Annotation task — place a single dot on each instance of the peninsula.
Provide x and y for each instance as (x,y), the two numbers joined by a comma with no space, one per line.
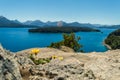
(113,40)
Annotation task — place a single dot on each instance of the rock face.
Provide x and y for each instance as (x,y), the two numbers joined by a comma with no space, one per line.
(105,66)
(74,66)
(66,49)
(9,69)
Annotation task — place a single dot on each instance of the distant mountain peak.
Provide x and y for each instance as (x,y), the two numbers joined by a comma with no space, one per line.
(38,20)
(35,23)
(2,17)
(9,23)
(48,22)
(16,21)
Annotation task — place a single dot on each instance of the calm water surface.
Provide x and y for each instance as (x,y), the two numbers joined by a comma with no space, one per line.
(16,39)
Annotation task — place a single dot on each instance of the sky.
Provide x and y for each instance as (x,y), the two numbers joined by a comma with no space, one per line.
(83,11)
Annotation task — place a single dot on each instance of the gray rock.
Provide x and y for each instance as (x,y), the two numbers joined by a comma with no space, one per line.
(66,49)
(94,66)
(9,69)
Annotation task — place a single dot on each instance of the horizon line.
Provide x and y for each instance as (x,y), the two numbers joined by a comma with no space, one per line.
(59,20)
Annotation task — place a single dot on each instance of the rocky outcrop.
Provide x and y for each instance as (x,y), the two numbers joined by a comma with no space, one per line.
(105,66)
(66,49)
(9,69)
(74,66)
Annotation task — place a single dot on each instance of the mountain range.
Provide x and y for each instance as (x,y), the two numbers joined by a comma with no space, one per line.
(56,23)
(4,22)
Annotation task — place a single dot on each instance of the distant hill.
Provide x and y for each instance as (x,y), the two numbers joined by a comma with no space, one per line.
(113,39)
(65,29)
(16,21)
(34,23)
(77,24)
(4,22)
(110,26)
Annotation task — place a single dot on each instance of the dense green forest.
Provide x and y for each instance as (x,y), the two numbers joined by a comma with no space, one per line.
(113,39)
(64,29)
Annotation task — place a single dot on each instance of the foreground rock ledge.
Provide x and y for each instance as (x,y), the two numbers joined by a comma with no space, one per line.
(74,66)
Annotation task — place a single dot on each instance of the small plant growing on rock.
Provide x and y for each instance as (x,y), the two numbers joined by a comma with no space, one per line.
(31,57)
(35,51)
(42,61)
(37,61)
(54,57)
(57,57)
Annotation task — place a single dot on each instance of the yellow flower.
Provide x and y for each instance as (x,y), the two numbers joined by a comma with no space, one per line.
(60,58)
(35,51)
(54,57)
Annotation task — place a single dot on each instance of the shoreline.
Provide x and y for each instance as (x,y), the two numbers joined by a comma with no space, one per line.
(107,45)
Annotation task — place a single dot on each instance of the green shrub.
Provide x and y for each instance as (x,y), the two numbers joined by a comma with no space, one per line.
(31,57)
(69,40)
(39,61)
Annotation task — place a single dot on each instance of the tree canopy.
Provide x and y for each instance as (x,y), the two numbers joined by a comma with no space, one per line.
(69,40)
(113,39)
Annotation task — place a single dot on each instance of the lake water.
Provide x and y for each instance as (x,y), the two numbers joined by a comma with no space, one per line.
(16,39)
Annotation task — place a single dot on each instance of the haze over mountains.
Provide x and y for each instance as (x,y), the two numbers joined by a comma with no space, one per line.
(56,23)
(4,22)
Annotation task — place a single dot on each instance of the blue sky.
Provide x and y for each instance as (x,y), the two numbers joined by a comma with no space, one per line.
(83,11)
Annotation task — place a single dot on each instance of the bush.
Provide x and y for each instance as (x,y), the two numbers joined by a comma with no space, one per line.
(40,60)
(69,40)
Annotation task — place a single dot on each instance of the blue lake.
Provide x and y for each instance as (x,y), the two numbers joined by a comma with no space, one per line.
(16,39)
